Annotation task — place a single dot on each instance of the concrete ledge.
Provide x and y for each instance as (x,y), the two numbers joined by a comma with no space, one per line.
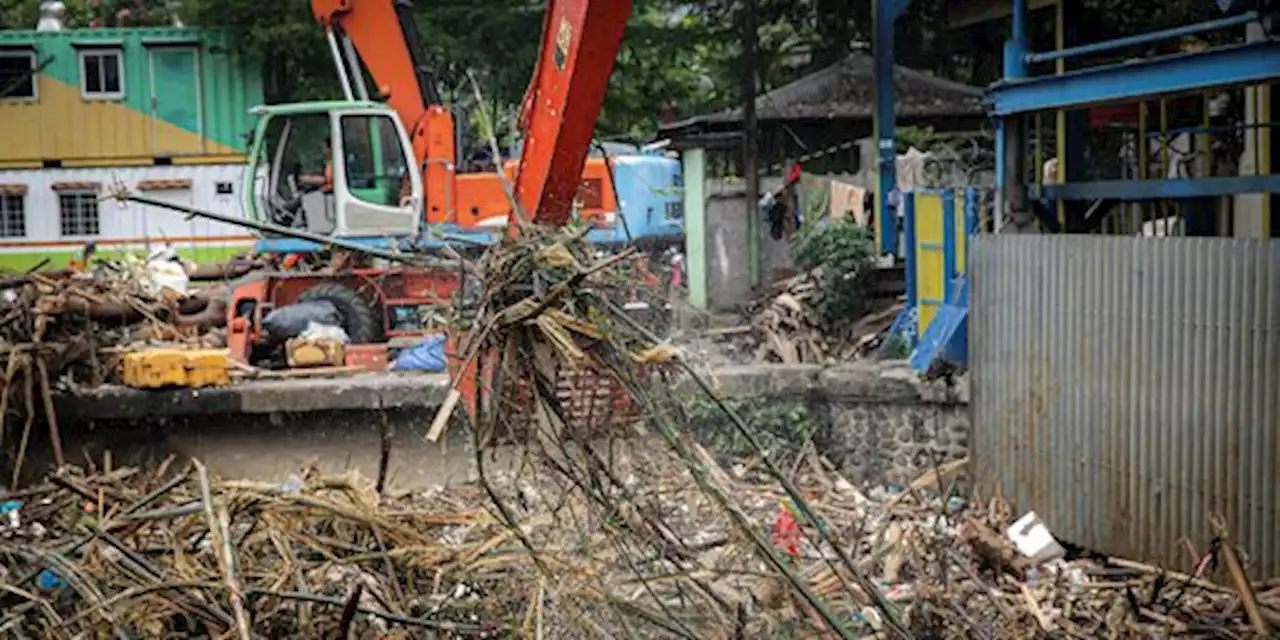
(867,382)
(369,391)
(765,380)
(884,383)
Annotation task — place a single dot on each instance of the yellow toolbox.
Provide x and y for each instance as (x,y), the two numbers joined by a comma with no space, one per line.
(155,368)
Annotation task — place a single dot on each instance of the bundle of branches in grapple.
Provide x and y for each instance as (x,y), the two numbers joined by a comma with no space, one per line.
(578,382)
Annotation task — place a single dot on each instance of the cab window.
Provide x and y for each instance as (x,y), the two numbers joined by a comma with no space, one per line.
(375,165)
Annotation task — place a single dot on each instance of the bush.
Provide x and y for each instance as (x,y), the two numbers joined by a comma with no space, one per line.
(845,255)
(781,428)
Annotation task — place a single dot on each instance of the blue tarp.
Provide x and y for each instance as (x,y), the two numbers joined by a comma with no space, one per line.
(427,356)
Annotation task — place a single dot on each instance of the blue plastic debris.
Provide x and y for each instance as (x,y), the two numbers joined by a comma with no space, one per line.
(427,356)
(11,510)
(50,581)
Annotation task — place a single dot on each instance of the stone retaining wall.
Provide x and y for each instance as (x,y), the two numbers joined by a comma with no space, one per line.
(881,426)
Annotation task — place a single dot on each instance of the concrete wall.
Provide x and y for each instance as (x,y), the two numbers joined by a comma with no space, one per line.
(877,424)
(728,250)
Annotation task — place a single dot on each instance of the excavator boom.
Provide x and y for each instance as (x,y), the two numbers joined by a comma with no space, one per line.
(580,41)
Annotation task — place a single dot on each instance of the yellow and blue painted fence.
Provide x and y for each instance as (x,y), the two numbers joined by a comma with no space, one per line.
(936,227)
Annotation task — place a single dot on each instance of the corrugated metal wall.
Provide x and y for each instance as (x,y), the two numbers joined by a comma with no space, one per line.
(232,84)
(1127,388)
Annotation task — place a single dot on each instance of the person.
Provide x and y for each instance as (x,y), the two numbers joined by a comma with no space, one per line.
(328,166)
(82,263)
(781,208)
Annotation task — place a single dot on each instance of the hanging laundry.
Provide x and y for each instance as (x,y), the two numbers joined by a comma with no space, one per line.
(849,201)
(815,196)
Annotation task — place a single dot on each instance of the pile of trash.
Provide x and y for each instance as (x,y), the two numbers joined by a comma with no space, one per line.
(77,318)
(789,331)
(786,328)
(67,328)
(134,553)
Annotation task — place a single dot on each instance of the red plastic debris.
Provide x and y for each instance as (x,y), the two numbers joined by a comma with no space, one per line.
(786,533)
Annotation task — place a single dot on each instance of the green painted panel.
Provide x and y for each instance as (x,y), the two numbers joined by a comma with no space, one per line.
(695,225)
(231,83)
(177,98)
(18,262)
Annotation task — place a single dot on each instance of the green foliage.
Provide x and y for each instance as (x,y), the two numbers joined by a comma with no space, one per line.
(845,253)
(678,58)
(895,347)
(23,14)
(283,35)
(671,62)
(781,428)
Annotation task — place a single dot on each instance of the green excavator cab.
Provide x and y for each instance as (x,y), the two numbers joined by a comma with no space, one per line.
(339,169)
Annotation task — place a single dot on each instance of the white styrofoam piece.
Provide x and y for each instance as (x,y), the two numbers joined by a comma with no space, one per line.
(1034,540)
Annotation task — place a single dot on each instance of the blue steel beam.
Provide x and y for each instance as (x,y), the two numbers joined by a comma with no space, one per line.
(885,13)
(1146,38)
(1132,190)
(1223,67)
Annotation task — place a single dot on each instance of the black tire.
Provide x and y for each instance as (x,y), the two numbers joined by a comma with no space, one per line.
(362,325)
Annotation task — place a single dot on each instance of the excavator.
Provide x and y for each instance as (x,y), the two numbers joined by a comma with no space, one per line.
(363,170)
(381,167)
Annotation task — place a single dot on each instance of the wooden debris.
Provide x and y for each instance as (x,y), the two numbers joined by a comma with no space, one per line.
(157,551)
(786,329)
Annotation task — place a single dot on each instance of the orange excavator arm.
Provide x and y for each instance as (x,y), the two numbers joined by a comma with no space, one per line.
(380,36)
(580,41)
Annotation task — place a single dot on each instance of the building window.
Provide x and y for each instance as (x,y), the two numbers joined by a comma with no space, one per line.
(102,74)
(78,213)
(13,215)
(17,75)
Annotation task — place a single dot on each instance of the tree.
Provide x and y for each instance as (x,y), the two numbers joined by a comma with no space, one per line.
(23,14)
(283,36)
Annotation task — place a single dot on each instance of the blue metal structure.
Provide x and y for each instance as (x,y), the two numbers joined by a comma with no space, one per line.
(885,14)
(1227,66)
(1019,97)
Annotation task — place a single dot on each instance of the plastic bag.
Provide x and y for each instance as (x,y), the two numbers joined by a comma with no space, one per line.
(165,271)
(427,356)
(289,322)
(317,331)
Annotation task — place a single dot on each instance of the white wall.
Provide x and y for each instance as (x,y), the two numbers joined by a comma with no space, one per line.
(132,221)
